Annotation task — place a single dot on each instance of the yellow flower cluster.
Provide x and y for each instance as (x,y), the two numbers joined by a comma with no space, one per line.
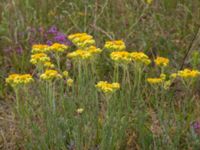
(173,75)
(57,47)
(106,87)
(50,75)
(149,2)
(121,56)
(81,40)
(117,45)
(84,54)
(70,82)
(48,64)
(187,73)
(39,48)
(39,58)
(80,110)
(19,79)
(140,57)
(161,61)
(79,54)
(65,74)
(94,50)
(155,81)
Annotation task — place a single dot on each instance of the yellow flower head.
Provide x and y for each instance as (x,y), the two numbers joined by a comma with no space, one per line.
(19,79)
(117,45)
(65,74)
(106,87)
(80,110)
(187,73)
(57,47)
(39,48)
(70,82)
(157,81)
(80,54)
(50,75)
(149,2)
(173,75)
(39,58)
(140,57)
(48,64)
(121,56)
(161,61)
(81,40)
(94,50)
(154,80)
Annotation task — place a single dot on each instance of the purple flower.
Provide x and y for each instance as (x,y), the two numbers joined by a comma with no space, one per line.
(60,37)
(41,30)
(53,30)
(196,125)
(31,29)
(49,42)
(19,50)
(8,49)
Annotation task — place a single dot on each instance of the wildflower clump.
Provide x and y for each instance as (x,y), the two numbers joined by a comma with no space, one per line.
(19,79)
(187,73)
(117,45)
(40,48)
(57,47)
(156,81)
(161,61)
(106,87)
(39,58)
(81,40)
(121,57)
(79,54)
(140,57)
(50,75)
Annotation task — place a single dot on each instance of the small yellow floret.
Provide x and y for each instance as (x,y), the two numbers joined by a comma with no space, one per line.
(117,45)
(65,74)
(155,81)
(161,61)
(173,75)
(48,64)
(121,56)
(39,58)
(39,48)
(106,87)
(80,110)
(57,47)
(94,50)
(79,54)
(149,2)
(70,82)
(81,40)
(50,75)
(140,57)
